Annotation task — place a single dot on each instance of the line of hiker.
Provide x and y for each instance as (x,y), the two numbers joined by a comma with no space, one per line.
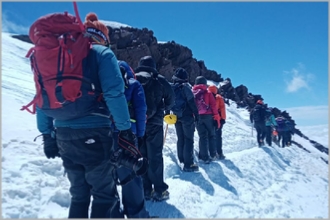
(270,128)
(105,120)
(198,107)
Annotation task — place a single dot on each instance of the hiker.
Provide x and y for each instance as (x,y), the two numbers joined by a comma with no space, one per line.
(283,130)
(257,117)
(159,98)
(270,126)
(84,142)
(187,114)
(290,131)
(132,192)
(208,112)
(221,107)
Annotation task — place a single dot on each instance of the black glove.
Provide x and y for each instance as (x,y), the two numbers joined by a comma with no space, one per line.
(222,121)
(50,146)
(127,141)
(140,142)
(167,112)
(196,119)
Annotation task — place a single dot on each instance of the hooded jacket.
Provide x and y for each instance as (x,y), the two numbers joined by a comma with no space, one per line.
(136,102)
(220,104)
(162,98)
(191,108)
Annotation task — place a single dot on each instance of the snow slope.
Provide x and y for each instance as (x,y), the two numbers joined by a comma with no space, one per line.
(253,182)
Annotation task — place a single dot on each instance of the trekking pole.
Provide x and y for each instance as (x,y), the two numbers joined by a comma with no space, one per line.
(165,134)
(252,129)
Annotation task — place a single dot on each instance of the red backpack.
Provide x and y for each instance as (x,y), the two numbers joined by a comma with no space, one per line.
(63,90)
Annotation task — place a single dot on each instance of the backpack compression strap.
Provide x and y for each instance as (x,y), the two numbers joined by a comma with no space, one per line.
(82,27)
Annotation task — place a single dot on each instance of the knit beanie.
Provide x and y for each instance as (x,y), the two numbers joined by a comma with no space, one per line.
(200,80)
(213,89)
(98,31)
(181,73)
(147,61)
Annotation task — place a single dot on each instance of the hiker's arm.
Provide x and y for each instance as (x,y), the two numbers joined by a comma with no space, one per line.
(168,95)
(112,85)
(222,107)
(140,109)
(213,104)
(44,123)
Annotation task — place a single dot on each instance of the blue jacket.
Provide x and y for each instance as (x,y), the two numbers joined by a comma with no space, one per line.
(135,97)
(104,63)
(190,109)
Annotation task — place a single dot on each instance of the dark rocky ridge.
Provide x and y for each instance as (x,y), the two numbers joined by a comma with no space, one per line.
(130,44)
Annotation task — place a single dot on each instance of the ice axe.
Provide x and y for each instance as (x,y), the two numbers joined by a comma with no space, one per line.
(169,119)
(165,134)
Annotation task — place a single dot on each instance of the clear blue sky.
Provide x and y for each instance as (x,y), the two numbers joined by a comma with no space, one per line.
(276,49)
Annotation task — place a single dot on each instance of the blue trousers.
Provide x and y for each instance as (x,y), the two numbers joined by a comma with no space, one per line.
(132,192)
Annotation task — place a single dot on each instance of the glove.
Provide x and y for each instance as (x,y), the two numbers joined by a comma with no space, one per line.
(217,118)
(140,141)
(127,141)
(196,119)
(222,121)
(50,146)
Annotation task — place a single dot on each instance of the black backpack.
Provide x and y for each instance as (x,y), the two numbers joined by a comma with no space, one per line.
(180,99)
(259,114)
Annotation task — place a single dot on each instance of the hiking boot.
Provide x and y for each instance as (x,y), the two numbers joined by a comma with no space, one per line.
(148,194)
(221,157)
(206,161)
(192,168)
(157,196)
(214,158)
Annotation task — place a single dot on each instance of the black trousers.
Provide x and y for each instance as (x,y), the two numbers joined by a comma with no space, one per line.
(152,149)
(85,154)
(206,133)
(185,128)
(269,131)
(218,139)
(261,131)
(286,137)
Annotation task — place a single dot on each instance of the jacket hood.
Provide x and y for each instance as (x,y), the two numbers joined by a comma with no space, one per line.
(129,71)
(213,89)
(197,89)
(147,69)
